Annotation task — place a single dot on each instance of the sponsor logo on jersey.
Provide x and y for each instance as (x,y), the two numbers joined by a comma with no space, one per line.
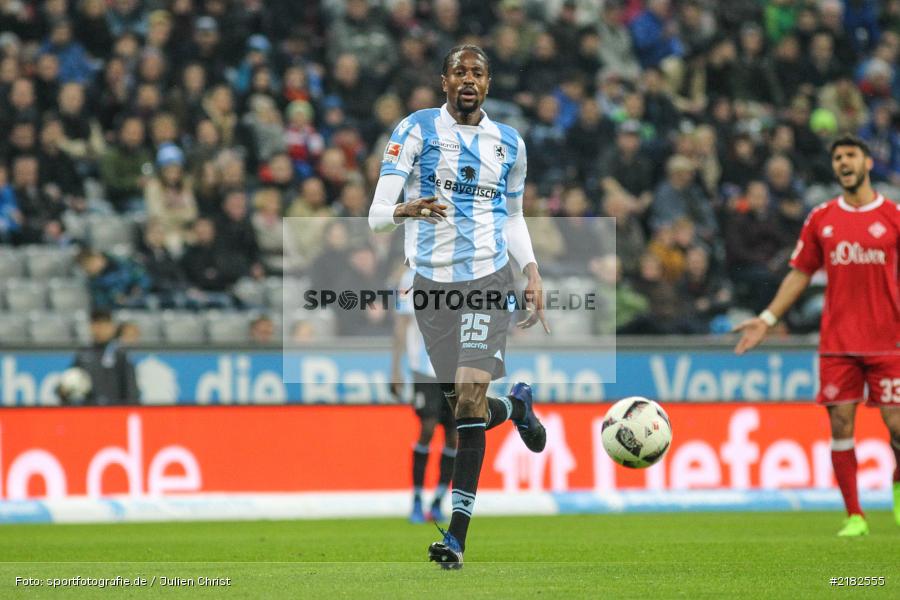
(877,229)
(445,145)
(854,254)
(828,231)
(500,152)
(392,152)
(476,191)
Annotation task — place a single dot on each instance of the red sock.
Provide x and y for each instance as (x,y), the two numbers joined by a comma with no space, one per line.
(895,446)
(844,462)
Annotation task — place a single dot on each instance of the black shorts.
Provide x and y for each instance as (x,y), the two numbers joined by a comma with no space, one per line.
(429,401)
(469,333)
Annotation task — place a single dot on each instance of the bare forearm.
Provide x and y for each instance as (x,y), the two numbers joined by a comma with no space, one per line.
(789,291)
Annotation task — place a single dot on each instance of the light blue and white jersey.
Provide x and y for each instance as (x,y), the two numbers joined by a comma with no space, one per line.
(473,169)
(416,354)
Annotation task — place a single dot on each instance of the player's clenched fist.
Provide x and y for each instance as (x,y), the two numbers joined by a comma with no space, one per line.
(423,208)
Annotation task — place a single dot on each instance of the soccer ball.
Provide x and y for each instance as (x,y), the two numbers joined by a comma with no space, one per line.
(636,432)
(74,384)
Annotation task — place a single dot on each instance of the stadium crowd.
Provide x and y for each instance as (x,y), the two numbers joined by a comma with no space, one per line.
(197,126)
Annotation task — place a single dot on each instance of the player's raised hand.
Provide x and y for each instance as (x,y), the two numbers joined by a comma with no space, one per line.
(422,208)
(752,333)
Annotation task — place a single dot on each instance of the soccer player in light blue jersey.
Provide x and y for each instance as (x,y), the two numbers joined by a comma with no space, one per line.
(460,177)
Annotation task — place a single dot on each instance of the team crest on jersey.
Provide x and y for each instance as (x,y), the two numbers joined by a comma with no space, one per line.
(500,152)
(828,231)
(877,229)
(392,152)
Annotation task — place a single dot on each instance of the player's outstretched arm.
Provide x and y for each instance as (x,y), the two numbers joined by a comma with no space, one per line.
(754,330)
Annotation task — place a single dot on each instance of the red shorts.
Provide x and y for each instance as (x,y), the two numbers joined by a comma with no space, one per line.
(844,379)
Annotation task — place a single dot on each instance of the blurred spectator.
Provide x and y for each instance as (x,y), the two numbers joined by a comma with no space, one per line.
(333,173)
(20,103)
(169,198)
(844,100)
(549,165)
(126,166)
(631,308)
(114,282)
(10,215)
(506,64)
(265,126)
(186,100)
(83,137)
(362,34)
(706,293)
(585,140)
(680,196)
(742,163)
(822,66)
(511,13)
(168,283)
(236,237)
(883,138)
(205,265)
(59,177)
(543,70)
(667,312)
(755,243)
(262,330)
(785,192)
(786,66)
(74,62)
(41,214)
(616,46)
(304,144)
(46,82)
(625,170)
(546,237)
(780,16)
(655,34)
(268,229)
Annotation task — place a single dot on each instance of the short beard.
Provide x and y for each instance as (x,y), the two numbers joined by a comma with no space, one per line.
(860,178)
(466,111)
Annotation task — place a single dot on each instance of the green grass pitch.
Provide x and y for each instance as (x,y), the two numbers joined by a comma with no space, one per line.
(725,555)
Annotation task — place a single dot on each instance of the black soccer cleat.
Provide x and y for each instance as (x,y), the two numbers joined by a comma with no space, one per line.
(447,553)
(530,429)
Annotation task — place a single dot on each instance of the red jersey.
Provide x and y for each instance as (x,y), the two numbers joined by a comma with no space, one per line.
(858,248)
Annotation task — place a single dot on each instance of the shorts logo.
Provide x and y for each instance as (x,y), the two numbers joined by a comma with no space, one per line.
(877,229)
(831,391)
(500,152)
(392,152)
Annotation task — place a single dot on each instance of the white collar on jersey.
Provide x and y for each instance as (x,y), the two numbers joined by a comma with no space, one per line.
(878,201)
(449,121)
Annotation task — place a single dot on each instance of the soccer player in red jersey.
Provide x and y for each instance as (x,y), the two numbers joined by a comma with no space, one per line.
(855,239)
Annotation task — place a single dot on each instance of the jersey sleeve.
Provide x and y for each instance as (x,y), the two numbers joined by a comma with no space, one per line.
(807,255)
(515,184)
(403,149)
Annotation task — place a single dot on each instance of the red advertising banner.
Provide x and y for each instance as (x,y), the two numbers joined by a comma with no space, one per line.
(57,452)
